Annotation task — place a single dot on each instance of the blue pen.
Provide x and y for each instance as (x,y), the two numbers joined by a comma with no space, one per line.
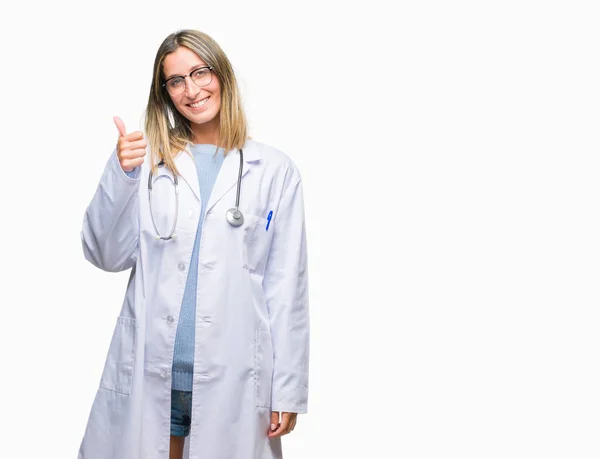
(269,220)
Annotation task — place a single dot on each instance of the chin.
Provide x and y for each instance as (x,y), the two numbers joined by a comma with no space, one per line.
(202,117)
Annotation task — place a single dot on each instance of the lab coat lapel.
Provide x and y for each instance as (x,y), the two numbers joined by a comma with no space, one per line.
(187,168)
(228,175)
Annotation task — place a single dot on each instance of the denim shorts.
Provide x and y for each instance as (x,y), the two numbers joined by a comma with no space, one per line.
(181,412)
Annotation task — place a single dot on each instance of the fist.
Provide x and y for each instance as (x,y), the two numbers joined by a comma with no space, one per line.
(131,148)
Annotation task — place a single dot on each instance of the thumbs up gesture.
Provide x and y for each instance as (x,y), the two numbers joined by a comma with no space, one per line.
(131,148)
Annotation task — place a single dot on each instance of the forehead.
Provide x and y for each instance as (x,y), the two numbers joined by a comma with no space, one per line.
(180,62)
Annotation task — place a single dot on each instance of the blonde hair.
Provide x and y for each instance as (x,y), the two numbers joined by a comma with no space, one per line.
(166,138)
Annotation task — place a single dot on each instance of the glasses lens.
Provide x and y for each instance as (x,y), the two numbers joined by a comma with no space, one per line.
(176,85)
(202,77)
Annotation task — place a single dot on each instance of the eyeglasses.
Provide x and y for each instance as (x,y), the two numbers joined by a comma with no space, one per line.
(201,77)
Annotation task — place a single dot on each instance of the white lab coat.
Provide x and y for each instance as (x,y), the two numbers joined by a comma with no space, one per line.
(252,323)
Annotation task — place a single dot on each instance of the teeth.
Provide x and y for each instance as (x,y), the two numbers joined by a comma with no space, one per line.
(198,104)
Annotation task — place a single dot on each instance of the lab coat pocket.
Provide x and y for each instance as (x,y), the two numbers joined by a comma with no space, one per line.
(118,368)
(257,242)
(263,369)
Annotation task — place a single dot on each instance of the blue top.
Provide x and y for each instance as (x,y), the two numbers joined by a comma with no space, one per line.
(207,166)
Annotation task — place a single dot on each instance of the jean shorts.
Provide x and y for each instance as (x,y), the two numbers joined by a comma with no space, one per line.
(181,412)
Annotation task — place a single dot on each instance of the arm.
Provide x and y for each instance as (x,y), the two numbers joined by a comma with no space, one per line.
(110,231)
(286,290)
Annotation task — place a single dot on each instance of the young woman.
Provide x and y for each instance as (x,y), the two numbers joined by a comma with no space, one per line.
(212,340)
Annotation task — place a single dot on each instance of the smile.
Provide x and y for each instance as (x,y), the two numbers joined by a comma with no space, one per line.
(199,103)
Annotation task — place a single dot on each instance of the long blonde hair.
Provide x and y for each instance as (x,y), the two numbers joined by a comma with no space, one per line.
(165,139)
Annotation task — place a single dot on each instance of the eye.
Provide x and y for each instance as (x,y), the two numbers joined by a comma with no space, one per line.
(175,82)
(199,73)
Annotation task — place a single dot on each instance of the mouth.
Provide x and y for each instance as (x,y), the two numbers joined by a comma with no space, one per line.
(199,103)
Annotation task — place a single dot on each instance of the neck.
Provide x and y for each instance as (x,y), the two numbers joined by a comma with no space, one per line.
(205,132)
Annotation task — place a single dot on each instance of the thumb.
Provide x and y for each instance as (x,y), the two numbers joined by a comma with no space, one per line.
(120,125)
(274,419)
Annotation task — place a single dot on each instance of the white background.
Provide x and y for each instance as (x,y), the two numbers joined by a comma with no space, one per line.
(449,152)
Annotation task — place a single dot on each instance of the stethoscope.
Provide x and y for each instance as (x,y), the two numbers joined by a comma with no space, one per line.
(234,215)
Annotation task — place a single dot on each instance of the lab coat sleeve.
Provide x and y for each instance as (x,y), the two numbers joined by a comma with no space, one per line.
(286,289)
(111,221)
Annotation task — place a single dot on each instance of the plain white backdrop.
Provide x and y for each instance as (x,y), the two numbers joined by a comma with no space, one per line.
(450,157)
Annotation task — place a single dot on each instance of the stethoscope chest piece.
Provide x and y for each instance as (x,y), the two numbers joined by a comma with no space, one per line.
(235,217)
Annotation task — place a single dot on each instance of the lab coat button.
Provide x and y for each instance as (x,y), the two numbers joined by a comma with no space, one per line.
(170,319)
(163,373)
(181,266)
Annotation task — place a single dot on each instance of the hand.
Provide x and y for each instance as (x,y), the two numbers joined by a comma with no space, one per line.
(288,422)
(131,148)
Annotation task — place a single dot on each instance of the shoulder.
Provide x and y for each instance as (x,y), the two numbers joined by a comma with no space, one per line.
(274,160)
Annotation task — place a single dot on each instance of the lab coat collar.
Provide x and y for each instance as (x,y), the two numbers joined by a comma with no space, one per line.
(228,174)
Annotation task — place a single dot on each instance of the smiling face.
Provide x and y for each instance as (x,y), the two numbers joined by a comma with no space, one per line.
(203,114)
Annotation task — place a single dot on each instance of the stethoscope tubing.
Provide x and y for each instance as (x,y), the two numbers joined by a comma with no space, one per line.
(234,215)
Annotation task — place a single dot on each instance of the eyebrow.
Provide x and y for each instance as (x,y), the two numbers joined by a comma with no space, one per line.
(191,70)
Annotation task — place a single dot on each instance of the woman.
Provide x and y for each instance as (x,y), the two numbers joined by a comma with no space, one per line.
(212,341)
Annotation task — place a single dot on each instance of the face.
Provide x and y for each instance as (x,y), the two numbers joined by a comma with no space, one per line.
(181,62)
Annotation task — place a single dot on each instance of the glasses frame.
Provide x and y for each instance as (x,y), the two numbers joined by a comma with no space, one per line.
(164,85)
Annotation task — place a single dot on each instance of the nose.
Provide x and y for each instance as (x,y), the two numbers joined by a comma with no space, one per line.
(191,89)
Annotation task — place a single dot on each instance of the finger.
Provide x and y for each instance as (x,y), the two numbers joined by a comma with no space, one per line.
(281,430)
(135,135)
(292,420)
(135,144)
(283,426)
(289,419)
(120,125)
(131,154)
(129,164)
(274,419)
(125,145)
